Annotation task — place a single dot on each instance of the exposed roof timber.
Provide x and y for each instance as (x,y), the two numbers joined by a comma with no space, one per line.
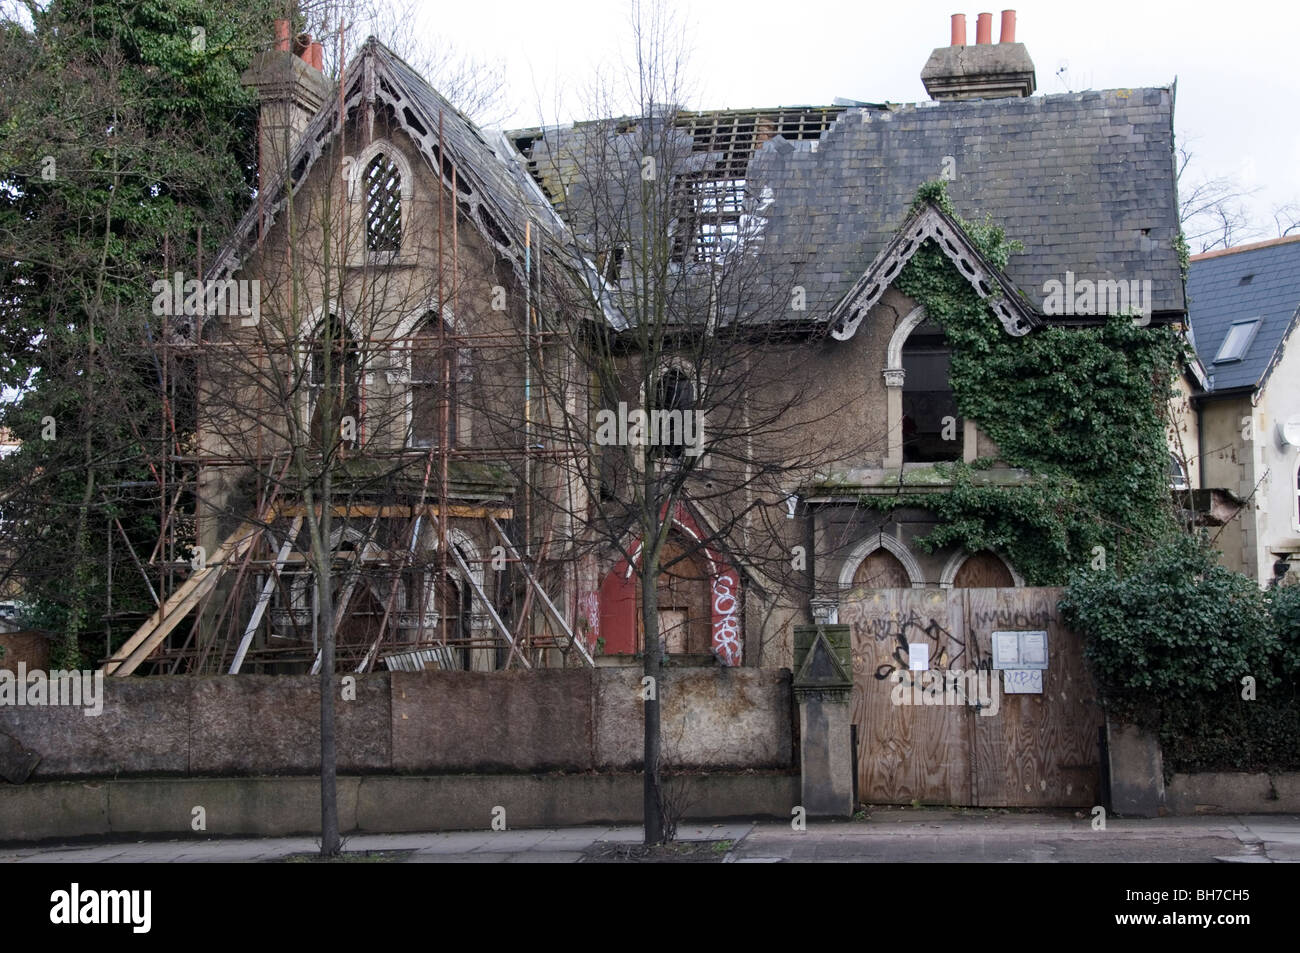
(931,222)
(492,190)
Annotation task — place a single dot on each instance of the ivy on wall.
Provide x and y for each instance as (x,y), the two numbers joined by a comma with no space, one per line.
(1081,409)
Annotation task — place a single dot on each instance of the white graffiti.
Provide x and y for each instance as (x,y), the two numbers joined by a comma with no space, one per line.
(589,609)
(726,623)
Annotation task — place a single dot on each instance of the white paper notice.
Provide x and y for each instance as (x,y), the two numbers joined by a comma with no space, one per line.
(1006,649)
(918,657)
(1033,648)
(1022,681)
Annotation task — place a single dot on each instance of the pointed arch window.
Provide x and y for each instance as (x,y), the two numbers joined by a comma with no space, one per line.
(674,426)
(434,370)
(381,182)
(333,370)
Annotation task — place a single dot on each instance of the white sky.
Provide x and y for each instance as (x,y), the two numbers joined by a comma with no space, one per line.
(1237,64)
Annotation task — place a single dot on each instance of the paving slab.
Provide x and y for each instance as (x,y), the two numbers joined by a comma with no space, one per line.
(887,835)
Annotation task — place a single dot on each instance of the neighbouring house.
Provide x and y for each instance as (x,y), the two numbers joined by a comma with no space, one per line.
(1244,304)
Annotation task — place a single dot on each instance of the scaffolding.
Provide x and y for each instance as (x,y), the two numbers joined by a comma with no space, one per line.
(400,604)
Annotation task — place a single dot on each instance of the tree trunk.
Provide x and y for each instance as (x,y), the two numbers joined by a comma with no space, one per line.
(653,793)
(330,843)
(319,529)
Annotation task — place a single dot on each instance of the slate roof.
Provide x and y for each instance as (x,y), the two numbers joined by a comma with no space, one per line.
(1085,181)
(493,188)
(1217,298)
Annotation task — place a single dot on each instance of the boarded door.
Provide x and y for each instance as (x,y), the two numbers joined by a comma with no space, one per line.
(1036,750)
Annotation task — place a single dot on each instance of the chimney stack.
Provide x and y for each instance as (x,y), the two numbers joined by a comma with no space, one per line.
(985,70)
(291,87)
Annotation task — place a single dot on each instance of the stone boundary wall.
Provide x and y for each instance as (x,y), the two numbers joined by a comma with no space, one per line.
(405,723)
(1138,788)
(274,807)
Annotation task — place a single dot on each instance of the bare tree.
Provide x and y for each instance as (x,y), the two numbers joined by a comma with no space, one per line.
(1212,210)
(680,378)
(1286,218)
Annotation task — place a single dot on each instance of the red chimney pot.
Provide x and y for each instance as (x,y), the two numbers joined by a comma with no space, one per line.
(282,35)
(317,60)
(984,28)
(1008,27)
(959,29)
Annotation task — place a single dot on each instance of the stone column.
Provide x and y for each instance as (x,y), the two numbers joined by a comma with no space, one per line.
(823,684)
(894,377)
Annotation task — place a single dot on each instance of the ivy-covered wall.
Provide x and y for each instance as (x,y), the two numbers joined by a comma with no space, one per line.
(1082,409)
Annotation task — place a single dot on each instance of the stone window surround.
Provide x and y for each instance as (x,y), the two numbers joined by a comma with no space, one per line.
(894,375)
(359,255)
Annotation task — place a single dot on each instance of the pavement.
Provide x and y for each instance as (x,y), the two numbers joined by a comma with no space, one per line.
(884,835)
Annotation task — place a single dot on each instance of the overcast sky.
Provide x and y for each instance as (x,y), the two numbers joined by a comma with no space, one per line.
(1237,65)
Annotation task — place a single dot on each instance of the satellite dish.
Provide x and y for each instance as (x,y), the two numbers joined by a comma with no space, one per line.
(1288,431)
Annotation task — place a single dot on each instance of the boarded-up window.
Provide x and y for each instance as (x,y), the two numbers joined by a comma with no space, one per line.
(983,570)
(881,570)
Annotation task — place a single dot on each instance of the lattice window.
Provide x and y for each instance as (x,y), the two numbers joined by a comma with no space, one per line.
(382,183)
(708,210)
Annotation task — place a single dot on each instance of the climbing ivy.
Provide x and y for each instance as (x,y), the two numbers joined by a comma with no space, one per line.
(1081,409)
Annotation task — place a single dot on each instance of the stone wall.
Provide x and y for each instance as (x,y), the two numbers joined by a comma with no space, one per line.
(410,723)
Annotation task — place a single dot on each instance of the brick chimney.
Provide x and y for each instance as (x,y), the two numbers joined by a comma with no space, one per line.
(986,70)
(290,89)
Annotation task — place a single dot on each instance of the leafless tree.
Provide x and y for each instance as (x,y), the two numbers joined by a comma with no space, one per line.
(697,322)
(1212,210)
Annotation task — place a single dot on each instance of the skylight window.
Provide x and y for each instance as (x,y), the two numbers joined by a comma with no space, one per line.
(1238,340)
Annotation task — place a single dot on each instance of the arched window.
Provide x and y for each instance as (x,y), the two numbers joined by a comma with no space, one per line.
(673,428)
(983,570)
(381,183)
(433,384)
(333,373)
(1177,473)
(881,569)
(932,430)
